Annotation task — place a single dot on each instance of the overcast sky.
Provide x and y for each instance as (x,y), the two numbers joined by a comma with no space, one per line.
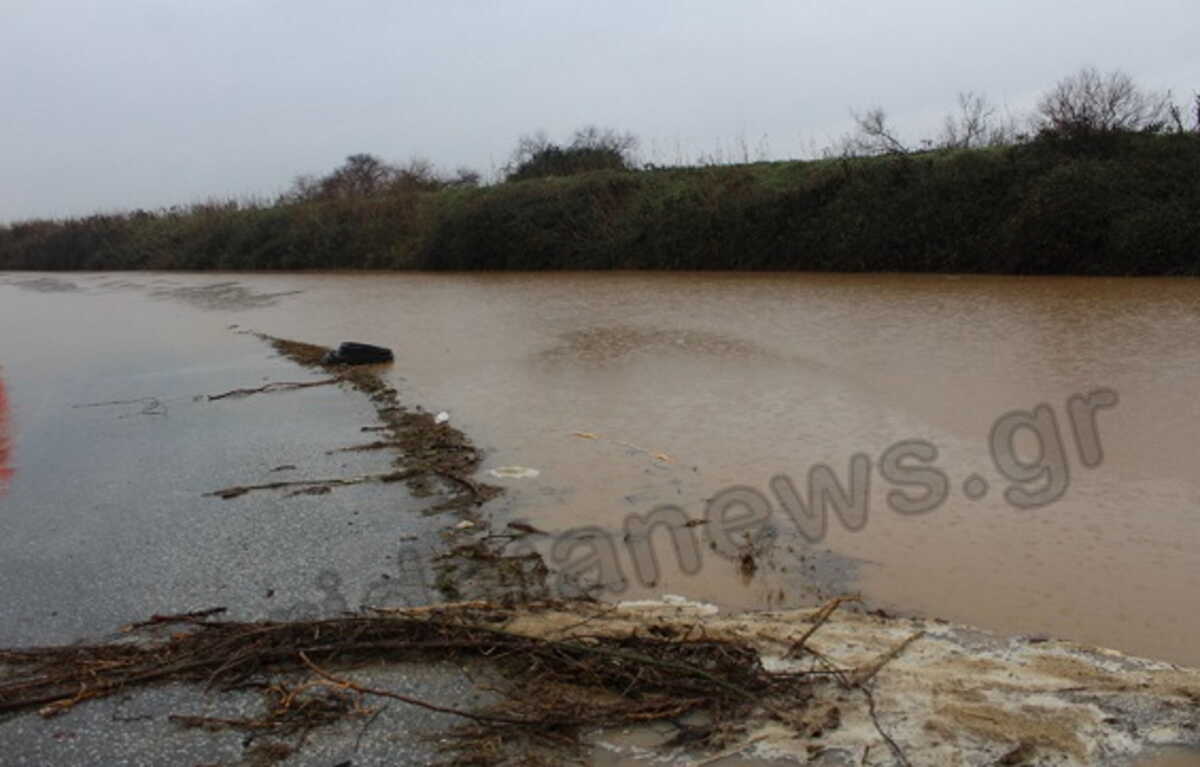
(119,104)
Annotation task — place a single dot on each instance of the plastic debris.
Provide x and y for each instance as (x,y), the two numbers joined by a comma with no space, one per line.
(513,472)
(441,417)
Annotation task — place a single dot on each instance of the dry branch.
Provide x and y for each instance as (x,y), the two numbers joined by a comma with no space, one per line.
(239,490)
(276,386)
(551,689)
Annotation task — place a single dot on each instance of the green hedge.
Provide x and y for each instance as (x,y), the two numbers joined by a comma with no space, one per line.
(1127,205)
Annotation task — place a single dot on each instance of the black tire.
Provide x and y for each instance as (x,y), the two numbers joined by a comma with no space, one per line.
(352,353)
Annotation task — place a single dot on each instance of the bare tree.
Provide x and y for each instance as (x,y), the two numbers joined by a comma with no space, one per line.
(975,124)
(304,187)
(1182,123)
(1089,103)
(874,135)
(529,145)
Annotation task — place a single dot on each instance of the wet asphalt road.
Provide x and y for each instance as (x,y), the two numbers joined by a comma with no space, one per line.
(106,522)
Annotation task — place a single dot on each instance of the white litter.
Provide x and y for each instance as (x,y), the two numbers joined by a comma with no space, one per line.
(441,417)
(513,472)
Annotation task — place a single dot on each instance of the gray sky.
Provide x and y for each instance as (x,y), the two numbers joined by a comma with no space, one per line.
(118,104)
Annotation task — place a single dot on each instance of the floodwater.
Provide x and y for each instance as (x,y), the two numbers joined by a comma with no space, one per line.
(629,391)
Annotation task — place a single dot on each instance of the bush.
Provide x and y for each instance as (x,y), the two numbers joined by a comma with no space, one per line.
(1090,104)
(591,149)
(1040,207)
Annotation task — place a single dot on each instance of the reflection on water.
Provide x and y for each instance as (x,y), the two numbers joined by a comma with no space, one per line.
(605,345)
(694,383)
(45,285)
(221,296)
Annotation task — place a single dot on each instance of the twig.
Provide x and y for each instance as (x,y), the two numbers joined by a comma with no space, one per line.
(176,618)
(365,447)
(474,487)
(819,619)
(348,685)
(366,725)
(275,386)
(640,658)
(865,675)
(239,490)
(213,721)
(603,613)
(152,406)
(896,751)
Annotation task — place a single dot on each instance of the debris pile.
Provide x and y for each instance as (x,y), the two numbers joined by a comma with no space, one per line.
(827,686)
(428,448)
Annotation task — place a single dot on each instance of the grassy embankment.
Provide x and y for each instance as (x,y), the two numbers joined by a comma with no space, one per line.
(1130,205)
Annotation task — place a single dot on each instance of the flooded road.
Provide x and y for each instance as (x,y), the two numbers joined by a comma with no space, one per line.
(628,392)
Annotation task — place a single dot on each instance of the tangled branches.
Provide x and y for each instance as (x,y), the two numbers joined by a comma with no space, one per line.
(551,690)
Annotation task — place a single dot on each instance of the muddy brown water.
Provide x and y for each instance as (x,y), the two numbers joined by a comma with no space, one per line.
(631,391)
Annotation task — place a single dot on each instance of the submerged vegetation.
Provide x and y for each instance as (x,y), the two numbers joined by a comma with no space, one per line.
(1105,181)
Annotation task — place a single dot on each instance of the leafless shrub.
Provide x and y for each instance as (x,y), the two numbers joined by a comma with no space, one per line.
(874,135)
(1090,103)
(529,145)
(977,123)
(1185,123)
